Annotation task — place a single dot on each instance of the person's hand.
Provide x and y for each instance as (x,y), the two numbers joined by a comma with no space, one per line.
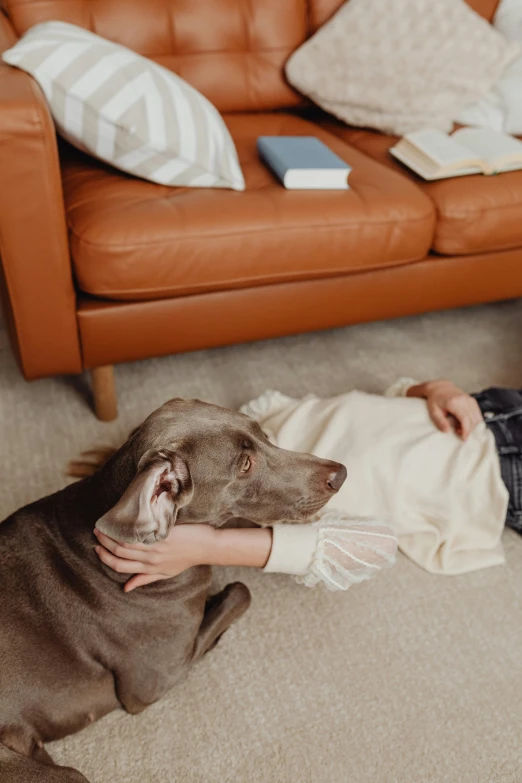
(449,407)
(185,546)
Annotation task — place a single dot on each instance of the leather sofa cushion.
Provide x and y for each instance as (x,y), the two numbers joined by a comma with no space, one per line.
(475,214)
(232,52)
(131,239)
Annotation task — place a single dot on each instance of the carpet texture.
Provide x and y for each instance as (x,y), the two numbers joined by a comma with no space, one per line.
(410,678)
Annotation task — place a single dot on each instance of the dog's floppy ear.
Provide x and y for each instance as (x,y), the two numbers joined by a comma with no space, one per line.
(150,504)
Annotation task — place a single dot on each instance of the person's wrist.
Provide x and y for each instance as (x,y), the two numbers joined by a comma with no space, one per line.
(195,544)
(418,390)
(215,548)
(231,546)
(428,388)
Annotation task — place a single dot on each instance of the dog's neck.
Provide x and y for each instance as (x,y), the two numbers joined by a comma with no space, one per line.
(108,484)
(84,502)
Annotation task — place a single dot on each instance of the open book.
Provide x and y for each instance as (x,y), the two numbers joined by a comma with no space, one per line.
(434,155)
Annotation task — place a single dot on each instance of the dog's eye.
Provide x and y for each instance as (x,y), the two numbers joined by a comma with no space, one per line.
(247,464)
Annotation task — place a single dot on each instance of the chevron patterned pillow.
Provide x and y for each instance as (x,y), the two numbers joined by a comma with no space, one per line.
(127,110)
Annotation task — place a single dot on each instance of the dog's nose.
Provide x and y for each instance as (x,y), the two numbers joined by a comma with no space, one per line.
(336,478)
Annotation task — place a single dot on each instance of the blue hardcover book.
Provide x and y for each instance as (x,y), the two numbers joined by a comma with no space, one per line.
(303,163)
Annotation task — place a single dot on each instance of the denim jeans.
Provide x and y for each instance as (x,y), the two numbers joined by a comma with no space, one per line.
(502,411)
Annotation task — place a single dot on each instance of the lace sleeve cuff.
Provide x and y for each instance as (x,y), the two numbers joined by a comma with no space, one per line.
(349,550)
(336,550)
(293,548)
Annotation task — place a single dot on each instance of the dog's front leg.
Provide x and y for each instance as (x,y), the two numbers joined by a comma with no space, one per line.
(138,689)
(221,610)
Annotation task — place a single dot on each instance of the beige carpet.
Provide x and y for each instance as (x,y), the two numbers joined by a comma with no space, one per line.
(410,678)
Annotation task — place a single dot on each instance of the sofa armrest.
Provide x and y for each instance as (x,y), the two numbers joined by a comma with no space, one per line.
(34,250)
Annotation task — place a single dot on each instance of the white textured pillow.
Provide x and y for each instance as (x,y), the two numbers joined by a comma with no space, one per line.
(126,110)
(501,108)
(400,65)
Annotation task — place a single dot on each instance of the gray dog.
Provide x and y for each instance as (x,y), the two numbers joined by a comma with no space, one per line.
(73,646)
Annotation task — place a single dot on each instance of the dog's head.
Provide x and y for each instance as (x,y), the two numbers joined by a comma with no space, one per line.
(197,462)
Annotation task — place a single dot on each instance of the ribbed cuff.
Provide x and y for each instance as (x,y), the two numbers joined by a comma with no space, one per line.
(293,548)
(400,387)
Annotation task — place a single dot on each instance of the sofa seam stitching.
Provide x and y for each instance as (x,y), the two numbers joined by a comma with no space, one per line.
(227,285)
(239,232)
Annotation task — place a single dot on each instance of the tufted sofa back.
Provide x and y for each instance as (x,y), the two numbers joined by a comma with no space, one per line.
(233,51)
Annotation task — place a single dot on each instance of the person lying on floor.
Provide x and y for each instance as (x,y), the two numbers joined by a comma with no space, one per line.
(443,467)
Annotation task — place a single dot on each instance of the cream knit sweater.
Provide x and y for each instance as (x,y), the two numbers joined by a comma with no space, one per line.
(444,498)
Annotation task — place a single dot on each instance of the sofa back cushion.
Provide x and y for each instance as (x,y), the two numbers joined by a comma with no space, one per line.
(233,51)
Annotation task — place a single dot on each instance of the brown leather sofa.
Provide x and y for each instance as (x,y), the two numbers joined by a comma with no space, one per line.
(100,268)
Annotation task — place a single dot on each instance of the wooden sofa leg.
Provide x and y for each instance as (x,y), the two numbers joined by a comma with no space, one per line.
(104,393)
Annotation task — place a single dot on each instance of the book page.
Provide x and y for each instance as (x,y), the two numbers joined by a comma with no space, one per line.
(418,162)
(496,148)
(442,149)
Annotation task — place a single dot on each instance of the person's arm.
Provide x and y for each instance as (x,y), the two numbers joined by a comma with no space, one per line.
(335,550)
(285,548)
(450,408)
(185,546)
